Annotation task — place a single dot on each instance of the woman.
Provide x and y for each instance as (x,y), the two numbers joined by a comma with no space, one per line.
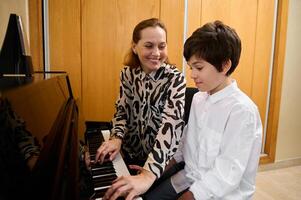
(148,122)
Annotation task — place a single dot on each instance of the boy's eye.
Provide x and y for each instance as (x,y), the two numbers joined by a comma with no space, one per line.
(196,67)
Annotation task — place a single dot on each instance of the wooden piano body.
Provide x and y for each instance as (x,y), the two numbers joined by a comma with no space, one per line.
(52,116)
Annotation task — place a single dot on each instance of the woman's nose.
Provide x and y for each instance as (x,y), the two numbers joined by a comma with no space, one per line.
(156,51)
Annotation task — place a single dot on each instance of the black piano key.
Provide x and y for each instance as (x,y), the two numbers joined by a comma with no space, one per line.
(104,179)
(108,163)
(103,175)
(99,194)
(103,171)
(103,183)
(102,193)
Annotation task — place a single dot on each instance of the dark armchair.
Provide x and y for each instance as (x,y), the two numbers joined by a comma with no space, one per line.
(190,91)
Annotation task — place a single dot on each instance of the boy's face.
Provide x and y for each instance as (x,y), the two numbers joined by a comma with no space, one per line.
(206,77)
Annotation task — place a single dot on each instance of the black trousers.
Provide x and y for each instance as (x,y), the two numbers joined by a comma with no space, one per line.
(132,161)
(162,188)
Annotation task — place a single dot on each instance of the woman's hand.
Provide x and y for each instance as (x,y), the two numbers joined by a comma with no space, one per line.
(131,186)
(111,148)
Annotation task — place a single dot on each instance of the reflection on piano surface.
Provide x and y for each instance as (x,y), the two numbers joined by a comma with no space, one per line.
(51,115)
(50,110)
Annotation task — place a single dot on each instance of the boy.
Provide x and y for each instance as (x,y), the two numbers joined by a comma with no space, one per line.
(222,140)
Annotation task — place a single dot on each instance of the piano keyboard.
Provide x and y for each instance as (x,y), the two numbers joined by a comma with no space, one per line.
(104,174)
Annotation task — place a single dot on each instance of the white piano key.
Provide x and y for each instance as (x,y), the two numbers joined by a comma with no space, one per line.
(119,165)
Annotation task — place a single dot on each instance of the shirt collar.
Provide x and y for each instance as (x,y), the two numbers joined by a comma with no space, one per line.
(154,75)
(225,92)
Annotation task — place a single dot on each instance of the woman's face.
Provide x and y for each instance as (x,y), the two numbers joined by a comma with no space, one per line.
(151,49)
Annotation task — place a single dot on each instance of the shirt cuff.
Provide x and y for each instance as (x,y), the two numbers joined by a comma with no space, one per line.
(199,191)
(180,182)
(178,158)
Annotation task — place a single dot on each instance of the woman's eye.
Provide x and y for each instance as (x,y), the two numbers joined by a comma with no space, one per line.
(162,46)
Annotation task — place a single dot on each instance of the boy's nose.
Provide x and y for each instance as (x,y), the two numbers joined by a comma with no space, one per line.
(192,74)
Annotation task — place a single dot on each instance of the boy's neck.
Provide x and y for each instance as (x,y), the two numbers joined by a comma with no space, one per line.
(221,86)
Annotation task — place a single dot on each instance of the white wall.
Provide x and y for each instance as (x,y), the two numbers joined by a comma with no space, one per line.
(289,127)
(19,7)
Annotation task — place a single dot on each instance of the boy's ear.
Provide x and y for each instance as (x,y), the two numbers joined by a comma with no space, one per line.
(226,66)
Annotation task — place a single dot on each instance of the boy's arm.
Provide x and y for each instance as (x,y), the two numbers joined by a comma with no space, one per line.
(186,196)
(171,163)
(240,149)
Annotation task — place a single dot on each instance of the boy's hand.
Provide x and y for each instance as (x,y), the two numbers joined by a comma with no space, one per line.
(170,164)
(187,196)
(130,186)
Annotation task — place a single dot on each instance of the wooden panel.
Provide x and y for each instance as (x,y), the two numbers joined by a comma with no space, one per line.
(241,15)
(262,57)
(106,36)
(65,40)
(172,14)
(193,22)
(280,44)
(253,21)
(35,33)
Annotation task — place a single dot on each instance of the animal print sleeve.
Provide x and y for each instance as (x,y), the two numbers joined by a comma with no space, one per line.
(120,116)
(170,131)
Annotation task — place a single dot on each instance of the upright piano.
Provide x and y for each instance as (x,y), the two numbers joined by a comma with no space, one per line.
(52,115)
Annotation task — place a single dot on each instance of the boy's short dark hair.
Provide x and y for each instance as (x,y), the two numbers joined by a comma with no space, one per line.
(216,43)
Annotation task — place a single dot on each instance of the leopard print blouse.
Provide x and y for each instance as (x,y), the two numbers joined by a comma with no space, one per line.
(149,114)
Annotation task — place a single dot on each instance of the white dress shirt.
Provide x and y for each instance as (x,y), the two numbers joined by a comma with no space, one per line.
(221,146)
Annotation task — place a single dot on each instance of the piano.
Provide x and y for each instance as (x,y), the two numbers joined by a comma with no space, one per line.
(52,115)
(102,175)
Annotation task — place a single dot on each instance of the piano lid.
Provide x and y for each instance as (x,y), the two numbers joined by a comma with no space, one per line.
(39,102)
